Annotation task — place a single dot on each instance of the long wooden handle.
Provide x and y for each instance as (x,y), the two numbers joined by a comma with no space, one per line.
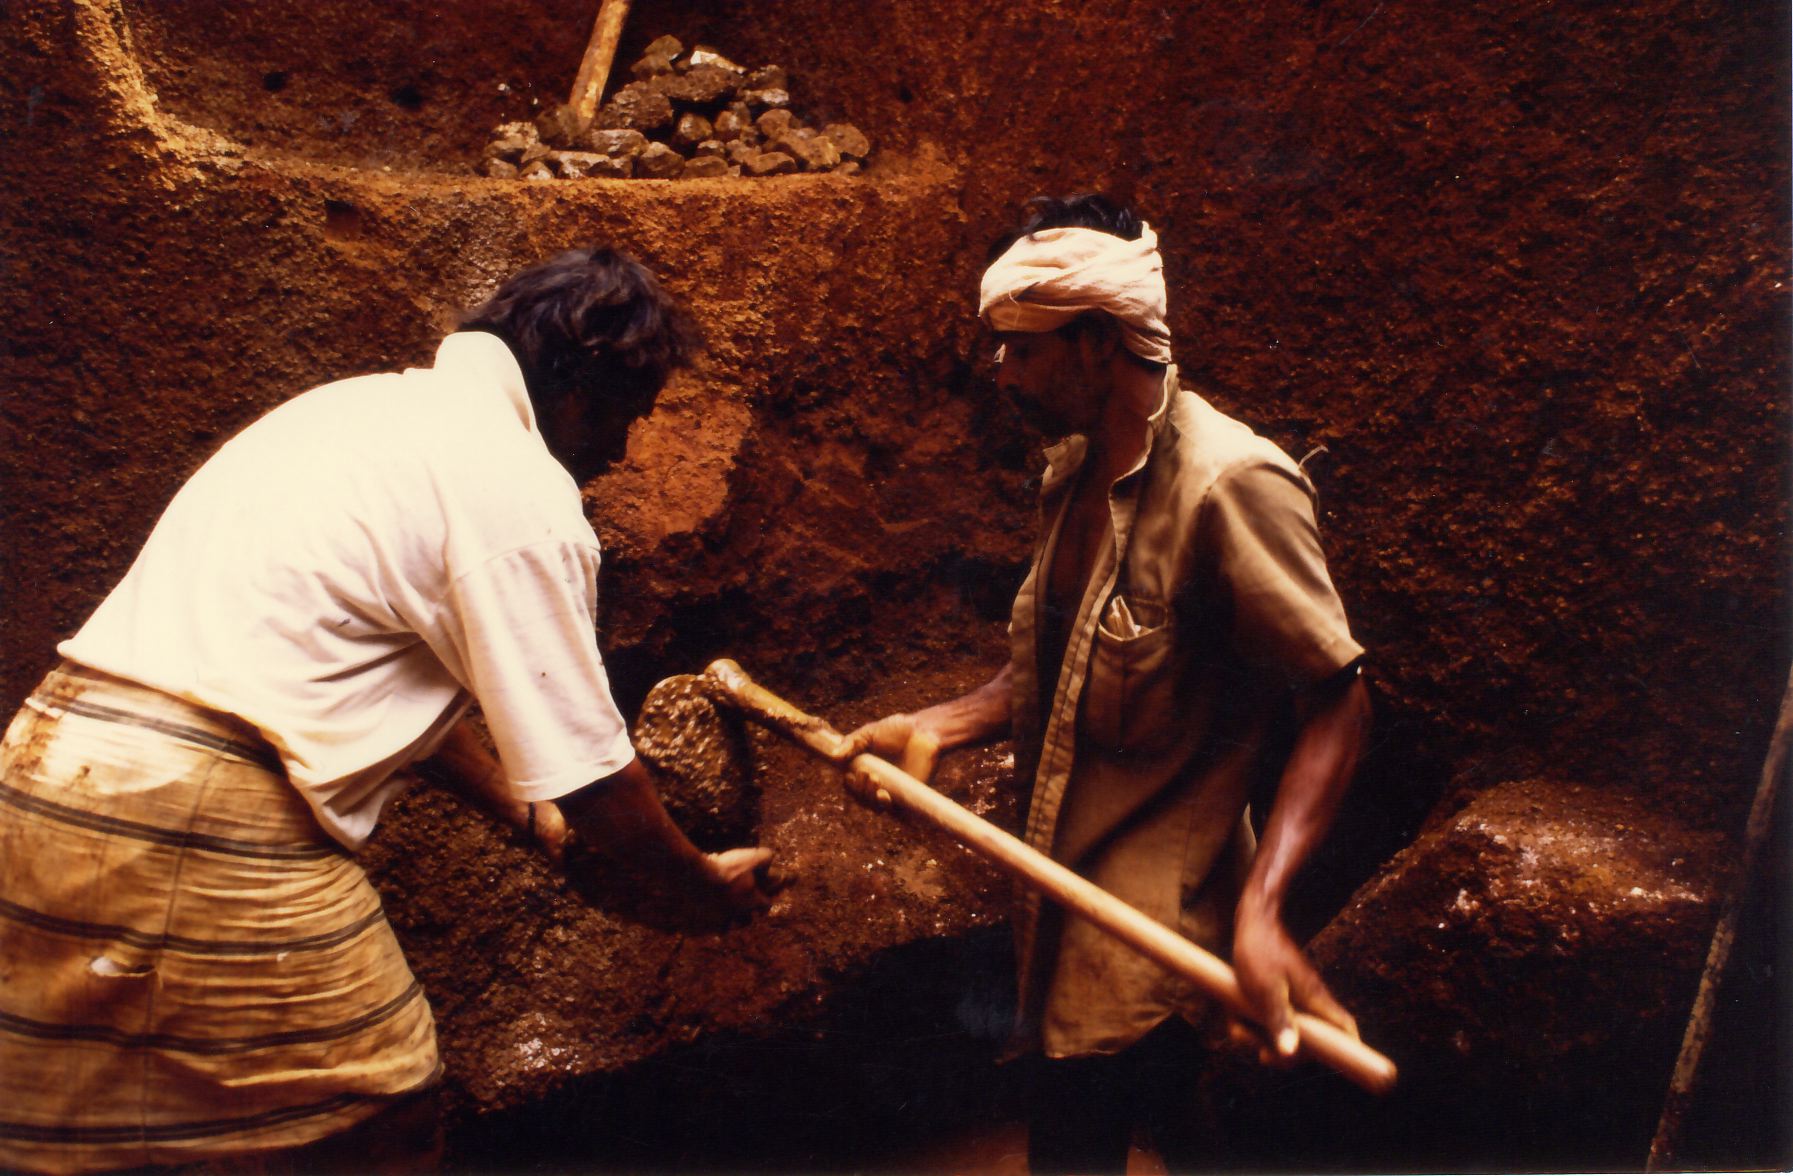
(1321,1039)
(594,67)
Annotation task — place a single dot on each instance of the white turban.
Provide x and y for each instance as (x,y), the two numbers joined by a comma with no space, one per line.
(1048,278)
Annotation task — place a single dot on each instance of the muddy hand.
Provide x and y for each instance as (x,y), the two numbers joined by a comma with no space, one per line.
(901,739)
(745,879)
(540,822)
(1277,980)
(544,825)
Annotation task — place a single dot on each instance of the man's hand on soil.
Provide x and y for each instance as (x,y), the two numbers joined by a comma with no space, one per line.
(1277,979)
(743,879)
(545,824)
(902,739)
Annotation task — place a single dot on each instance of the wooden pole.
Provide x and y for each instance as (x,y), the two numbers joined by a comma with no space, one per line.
(594,67)
(1756,831)
(1319,1039)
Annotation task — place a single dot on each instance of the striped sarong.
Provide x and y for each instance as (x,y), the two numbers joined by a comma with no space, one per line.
(189,967)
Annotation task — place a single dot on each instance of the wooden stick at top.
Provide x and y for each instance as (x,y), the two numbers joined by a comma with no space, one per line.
(594,68)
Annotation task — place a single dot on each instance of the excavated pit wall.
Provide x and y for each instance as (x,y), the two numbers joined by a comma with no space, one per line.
(1522,269)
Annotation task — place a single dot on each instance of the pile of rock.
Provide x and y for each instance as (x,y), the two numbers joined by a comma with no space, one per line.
(685,115)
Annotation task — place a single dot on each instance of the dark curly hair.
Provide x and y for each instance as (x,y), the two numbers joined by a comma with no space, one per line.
(1085,210)
(590,321)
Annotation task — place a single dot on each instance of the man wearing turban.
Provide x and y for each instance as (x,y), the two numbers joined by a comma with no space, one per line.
(1176,615)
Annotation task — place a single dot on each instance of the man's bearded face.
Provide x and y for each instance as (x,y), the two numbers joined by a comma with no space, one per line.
(1053,380)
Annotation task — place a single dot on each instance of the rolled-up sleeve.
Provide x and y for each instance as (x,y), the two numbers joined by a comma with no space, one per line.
(1287,619)
(522,622)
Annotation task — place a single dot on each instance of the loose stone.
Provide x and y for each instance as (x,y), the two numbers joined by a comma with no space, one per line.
(694,113)
(578,164)
(772,99)
(730,123)
(769,163)
(571,164)
(557,125)
(636,107)
(704,167)
(659,162)
(704,55)
(848,139)
(692,130)
(622,143)
(774,123)
(704,86)
(651,66)
(768,77)
(813,151)
(510,140)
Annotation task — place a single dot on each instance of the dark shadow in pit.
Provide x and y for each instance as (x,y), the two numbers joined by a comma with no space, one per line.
(900,1055)
(897,1072)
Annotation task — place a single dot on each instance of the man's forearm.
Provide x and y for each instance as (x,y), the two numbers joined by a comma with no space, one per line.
(463,763)
(913,740)
(977,717)
(621,818)
(621,815)
(637,854)
(1319,770)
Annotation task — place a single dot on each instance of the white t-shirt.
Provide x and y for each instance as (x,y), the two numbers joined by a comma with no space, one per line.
(352,569)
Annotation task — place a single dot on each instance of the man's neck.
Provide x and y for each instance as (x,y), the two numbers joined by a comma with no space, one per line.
(1120,437)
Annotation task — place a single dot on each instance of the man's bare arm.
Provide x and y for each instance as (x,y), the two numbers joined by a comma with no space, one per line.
(462,762)
(1276,976)
(621,819)
(913,741)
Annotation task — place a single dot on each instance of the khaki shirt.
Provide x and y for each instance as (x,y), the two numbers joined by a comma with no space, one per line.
(1208,606)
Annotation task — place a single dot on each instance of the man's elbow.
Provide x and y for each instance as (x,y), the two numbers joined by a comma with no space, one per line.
(1357,703)
(1340,700)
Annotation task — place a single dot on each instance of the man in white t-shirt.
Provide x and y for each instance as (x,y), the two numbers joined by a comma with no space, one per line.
(193,965)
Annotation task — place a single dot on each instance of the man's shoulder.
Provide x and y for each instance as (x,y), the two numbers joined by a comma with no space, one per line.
(1208,444)
(430,442)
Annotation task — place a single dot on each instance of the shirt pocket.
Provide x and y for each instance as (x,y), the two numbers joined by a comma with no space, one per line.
(1129,694)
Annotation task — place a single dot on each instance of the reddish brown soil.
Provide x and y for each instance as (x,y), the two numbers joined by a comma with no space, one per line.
(1521,268)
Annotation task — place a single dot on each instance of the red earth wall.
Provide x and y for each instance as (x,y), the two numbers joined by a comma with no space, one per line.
(1521,268)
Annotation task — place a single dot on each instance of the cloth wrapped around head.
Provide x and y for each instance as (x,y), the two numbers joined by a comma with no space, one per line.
(1048,278)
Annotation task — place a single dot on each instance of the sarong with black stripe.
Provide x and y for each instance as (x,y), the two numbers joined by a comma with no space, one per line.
(189,966)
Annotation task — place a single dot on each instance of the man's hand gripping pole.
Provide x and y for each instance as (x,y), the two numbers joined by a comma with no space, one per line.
(1319,1039)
